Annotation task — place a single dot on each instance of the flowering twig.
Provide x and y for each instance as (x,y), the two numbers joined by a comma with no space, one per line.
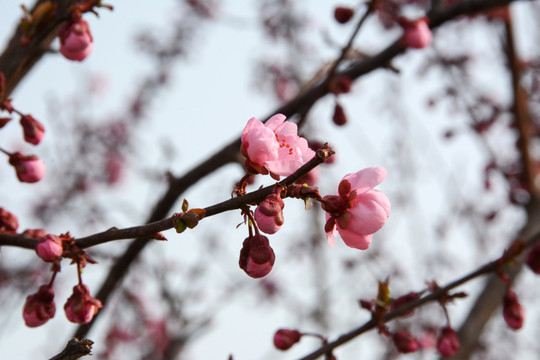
(490,267)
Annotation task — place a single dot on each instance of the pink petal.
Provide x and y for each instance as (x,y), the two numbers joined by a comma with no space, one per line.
(251,124)
(275,121)
(262,145)
(354,240)
(330,235)
(366,179)
(369,212)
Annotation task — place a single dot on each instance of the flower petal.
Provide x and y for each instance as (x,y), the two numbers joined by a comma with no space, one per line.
(354,240)
(366,179)
(275,121)
(369,212)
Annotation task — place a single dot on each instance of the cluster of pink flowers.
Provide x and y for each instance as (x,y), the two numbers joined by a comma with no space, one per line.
(356,212)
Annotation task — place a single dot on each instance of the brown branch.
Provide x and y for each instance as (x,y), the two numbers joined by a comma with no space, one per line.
(75,349)
(488,268)
(16,60)
(488,300)
(230,152)
(150,229)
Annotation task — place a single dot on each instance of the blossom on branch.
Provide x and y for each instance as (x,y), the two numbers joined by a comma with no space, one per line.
(49,247)
(76,40)
(284,339)
(33,130)
(29,168)
(405,342)
(274,147)
(256,257)
(80,308)
(269,214)
(448,342)
(8,222)
(416,34)
(513,312)
(358,210)
(39,307)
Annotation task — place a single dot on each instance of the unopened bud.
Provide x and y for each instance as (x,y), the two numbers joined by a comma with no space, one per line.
(284,339)
(513,312)
(405,342)
(343,14)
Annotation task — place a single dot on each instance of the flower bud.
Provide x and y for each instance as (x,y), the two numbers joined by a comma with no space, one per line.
(339,118)
(533,259)
(8,222)
(35,233)
(402,301)
(80,308)
(513,312)
(405,342)
(29,169)
(448,343)
(257,257)
(416,34)
(49,247)
(33,130)
(39,307)
(269,214)
(284,339)
(340,84)
(343,14)
(76,40)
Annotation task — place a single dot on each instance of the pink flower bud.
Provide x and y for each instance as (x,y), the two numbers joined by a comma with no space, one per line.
(269,214)
(533,259)
(343,14)
(49,247)
(339,118)
(35,233)
(39,307)
(8,222)
(513,312)
(257,257)
(29,169)
(76,40)
(33,130)
(284,339)
(340,84)
(416,34)
(80,308)
(359,210)
(402,301)
(405,342)
(448,343)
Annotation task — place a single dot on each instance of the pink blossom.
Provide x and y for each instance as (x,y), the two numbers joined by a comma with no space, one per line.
(405,342)
(513,312)
(284,339)
(29,168)
(39,307)
(256,257)
(8,222)
(448,342)
(49,247)
(274,147)
(416,34)
(357,211)
(76,40)
(269,214)
(80,308)
(33,130)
